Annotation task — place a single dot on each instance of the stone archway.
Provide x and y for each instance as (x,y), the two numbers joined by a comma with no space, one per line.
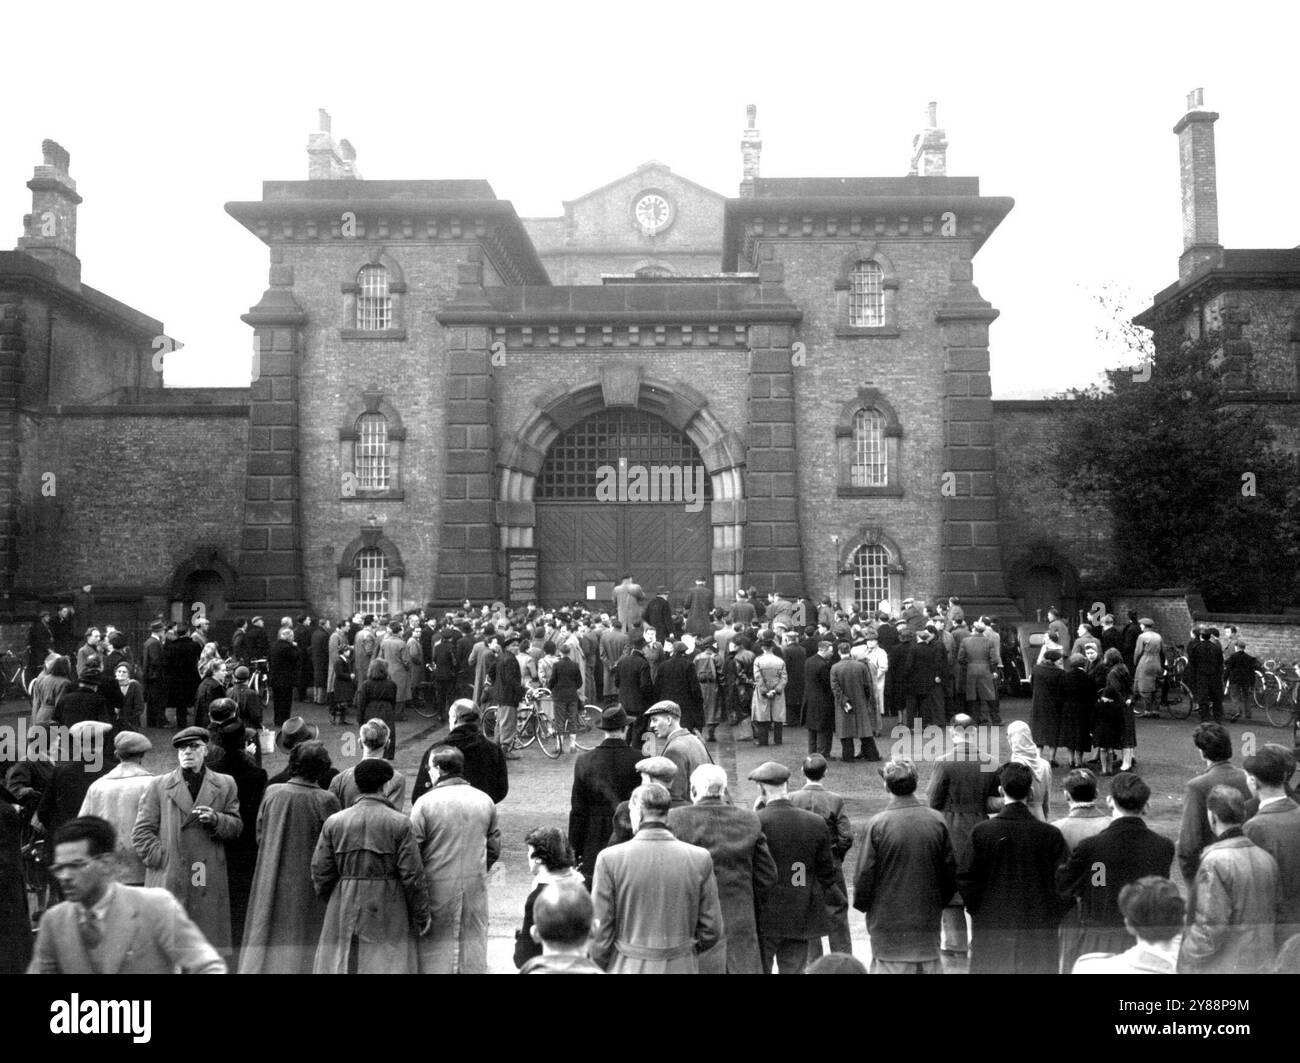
(624,386)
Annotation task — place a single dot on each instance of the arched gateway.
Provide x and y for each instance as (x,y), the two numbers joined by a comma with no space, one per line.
(625,475)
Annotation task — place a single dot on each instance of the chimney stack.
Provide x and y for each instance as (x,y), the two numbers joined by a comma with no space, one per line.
(751,145)
(327,160)
(930,147)
(1196,169)
(50,230)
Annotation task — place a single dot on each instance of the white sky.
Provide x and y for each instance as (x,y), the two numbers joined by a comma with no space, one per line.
(171,110)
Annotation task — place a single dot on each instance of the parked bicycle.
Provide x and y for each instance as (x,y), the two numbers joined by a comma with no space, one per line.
(532,724)
(1279,695)
(13,674)
(259,681)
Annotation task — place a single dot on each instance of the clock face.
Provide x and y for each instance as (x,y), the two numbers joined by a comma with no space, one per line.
(653,212)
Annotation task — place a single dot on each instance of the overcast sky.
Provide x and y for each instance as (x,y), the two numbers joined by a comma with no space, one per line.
(169,111)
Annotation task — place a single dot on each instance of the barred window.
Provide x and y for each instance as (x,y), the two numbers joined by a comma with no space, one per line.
(870,465)
(870,576)
(374,304)
(370,582)
(866,295)
(371,453)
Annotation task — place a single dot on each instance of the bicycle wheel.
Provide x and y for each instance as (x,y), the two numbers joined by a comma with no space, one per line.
(547,736)
(1259,690)
(489,722)
(425,705)
(1276,707)
(526,732)
(589,734)
(1181,701)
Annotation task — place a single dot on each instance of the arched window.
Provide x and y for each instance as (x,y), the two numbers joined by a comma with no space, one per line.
(374,303)
(371,452)
(866,296)
(870,465)
(370,581)
(870,576)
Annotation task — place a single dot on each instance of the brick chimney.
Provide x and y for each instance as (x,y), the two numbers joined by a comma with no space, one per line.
(50,230)
(751,145)
(328,160)
(1196,173)
(930,147)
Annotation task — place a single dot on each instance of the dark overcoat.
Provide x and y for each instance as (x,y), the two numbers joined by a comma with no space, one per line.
(745,872)
(485,764)
(635,687)
(798,903)
(818,700)
(602,778)
(677,681)
(1045,709)
(1008,884)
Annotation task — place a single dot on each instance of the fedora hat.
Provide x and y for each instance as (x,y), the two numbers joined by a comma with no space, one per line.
(294,731)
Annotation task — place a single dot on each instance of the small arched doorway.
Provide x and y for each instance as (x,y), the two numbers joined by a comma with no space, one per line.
(622,491)
(1043,587)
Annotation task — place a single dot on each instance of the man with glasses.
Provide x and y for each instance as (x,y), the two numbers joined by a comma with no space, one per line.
(105,927)
(186,819)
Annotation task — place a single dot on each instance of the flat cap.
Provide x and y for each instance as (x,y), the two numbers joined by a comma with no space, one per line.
(189,734)
(770,772)
(664,708)
(1146,620)
(130,743)
(657,767)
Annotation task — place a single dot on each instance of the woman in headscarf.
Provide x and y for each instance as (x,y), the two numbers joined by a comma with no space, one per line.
(1023,751)
(1045,713)
(48,686)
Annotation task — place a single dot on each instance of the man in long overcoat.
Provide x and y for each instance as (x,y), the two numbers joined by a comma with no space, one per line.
(186,819)
(395,653)
(636,691)
(367,866)
(814,797)
(677,682)
(699,610)
(655,898)
(742,864)
(628,597)
(676,743)
(285,916)
(964,781)
(602,778)
(1008,883)
(979,659)
(855,705)
(659,615)
(455,827)
(796,664)
(797,907)
(819,700)
(768,705)
(485,764)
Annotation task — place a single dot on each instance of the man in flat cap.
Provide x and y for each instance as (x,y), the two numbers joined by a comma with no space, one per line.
(507,693)
(636,689)
(677,744)
(186,819)
(602,778)
(658,770)
(655,898)
(797,906)
(89,757)
(814,797)
(115,797)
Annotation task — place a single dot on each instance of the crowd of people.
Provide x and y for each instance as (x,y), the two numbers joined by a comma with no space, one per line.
(661,868)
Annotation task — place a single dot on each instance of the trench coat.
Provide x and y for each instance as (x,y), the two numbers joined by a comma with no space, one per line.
(628,599)
(1148,662)
(338,639)
(745,872)
(285,915)
(656,905)
(455,828)
(182,855)
(963,781)
(769,674)
(367,866)
(818,698)
(116,798)
(856,713)
(1231,909)
(393,650)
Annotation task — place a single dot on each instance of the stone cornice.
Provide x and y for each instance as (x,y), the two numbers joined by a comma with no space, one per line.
(396,221)
(856,217)
(726,337)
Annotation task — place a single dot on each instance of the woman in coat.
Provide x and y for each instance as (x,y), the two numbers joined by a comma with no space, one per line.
(126,695)
(1120,730)
(550,860)
(175,847)
(378,700)
(48,686)
(285,914)
(210,689)
(1078,701)
(320,660)
(1045,710)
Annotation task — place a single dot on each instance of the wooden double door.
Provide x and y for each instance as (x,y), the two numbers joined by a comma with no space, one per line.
(586,547)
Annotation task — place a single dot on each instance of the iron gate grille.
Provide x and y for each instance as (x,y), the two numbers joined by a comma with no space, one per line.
(870,576)
(572,466)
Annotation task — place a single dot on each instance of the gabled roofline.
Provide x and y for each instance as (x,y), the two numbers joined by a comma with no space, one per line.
(653,165)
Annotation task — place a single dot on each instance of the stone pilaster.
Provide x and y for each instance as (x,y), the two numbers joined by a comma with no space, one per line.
(13,345)
(971,543)
(468,552)
(270,572)
(773,556)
